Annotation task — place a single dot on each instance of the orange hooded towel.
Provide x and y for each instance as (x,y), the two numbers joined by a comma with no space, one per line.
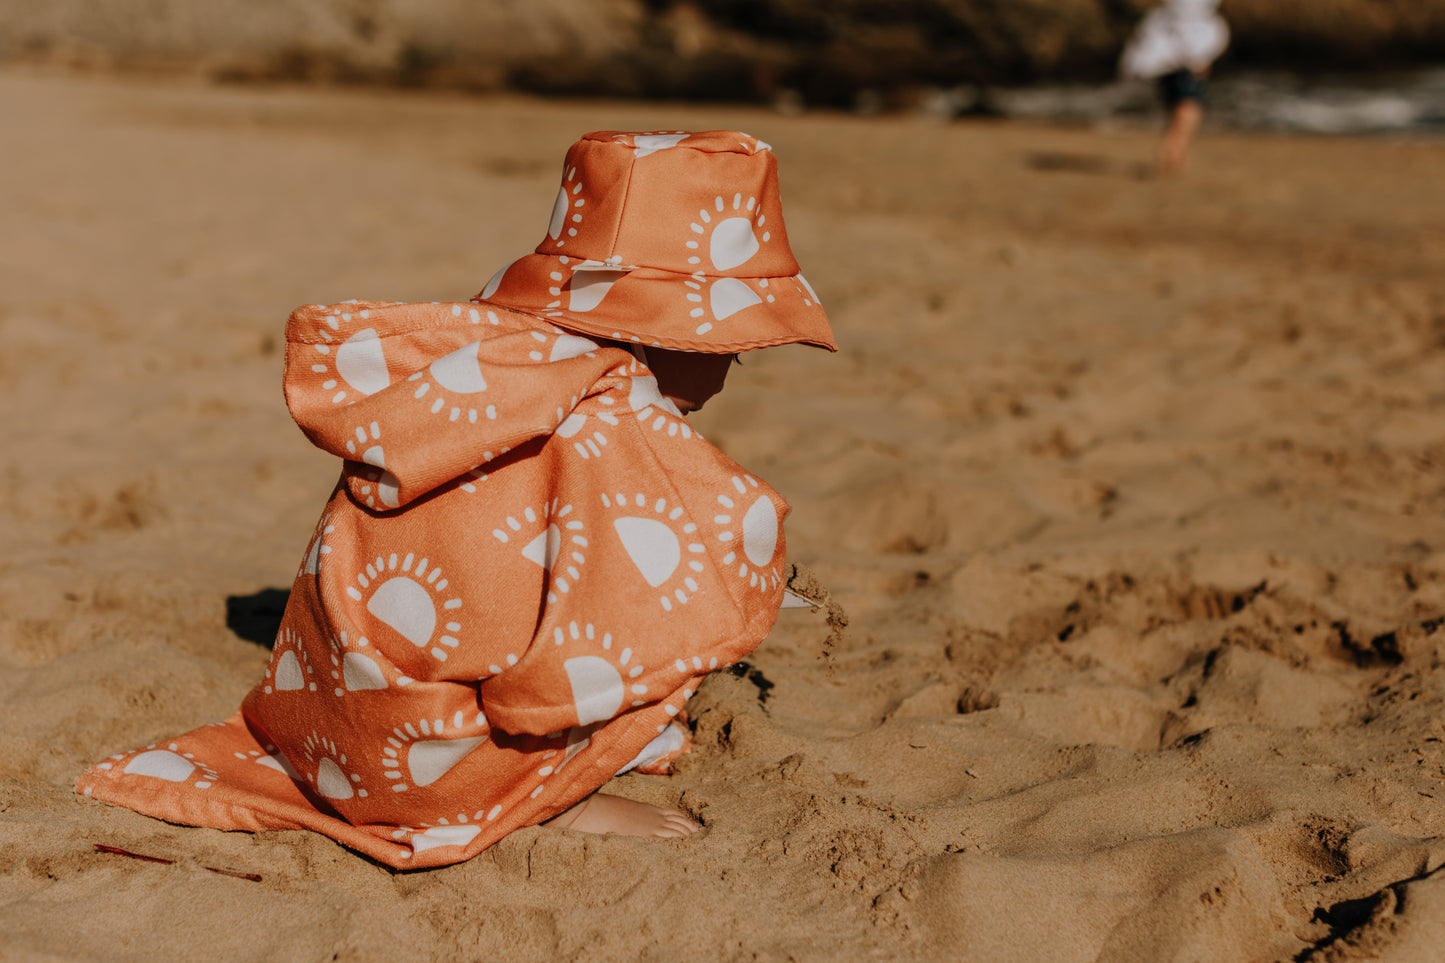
(528,564)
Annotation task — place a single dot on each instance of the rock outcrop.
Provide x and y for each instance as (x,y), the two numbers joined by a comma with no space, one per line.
(825,51)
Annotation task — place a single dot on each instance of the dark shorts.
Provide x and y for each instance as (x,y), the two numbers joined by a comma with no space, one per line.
(1181,85)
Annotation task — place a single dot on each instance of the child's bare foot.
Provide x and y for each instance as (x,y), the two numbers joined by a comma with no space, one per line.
(602,813)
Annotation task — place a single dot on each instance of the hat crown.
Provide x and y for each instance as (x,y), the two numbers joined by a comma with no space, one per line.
(670,238)
(702,203)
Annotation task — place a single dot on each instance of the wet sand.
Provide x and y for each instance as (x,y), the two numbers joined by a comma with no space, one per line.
(1132,491)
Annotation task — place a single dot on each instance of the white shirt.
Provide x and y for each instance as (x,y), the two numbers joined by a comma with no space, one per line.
(1177,34)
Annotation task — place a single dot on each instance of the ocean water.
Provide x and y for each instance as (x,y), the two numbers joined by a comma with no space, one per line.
(1402,102)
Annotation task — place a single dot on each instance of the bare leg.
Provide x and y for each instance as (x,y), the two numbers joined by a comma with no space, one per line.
(1183,122)
(603,813)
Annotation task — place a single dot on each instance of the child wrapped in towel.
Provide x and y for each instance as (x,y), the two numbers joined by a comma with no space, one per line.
(530,560)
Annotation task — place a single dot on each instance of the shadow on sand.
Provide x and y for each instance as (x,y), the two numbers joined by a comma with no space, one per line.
(257,617)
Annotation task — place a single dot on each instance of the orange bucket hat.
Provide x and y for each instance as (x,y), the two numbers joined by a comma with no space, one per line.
(668,239)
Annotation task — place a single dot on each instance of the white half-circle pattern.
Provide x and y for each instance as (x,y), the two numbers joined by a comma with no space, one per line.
(404,605)
(360,672)
(331,782)
(587,289)
(760,531)
(289,674)
(733,243)
(495,281)
(597,688)
(399,593)
(161,764)
(652,546)
(644,144)
(438,836)
(543,549)
(728,296)
(560,207)
(361,362)
(460,371)
(429,760)
(571,346)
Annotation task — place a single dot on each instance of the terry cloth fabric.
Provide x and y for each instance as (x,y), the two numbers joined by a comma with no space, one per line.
(529,562)
(1177,35)
(668,239)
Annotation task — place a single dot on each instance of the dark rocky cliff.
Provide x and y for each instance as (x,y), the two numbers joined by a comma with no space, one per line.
(826,51)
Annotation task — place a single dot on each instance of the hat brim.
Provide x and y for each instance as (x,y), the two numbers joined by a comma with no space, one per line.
(685,312)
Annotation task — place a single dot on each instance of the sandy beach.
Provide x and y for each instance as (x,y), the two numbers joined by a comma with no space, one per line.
(1132,490)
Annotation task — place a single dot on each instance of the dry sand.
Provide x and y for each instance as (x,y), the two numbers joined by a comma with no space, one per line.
(1132,490)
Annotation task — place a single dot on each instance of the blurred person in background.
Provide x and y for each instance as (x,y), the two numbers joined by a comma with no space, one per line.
(1174,46)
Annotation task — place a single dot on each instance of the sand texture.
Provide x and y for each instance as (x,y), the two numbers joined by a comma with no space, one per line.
(1131,491)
